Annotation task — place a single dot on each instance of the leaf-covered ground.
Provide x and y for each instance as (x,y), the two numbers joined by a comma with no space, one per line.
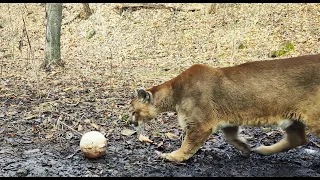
(109,55)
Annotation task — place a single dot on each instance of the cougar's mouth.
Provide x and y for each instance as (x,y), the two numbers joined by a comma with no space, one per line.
(136,122)
(141,122)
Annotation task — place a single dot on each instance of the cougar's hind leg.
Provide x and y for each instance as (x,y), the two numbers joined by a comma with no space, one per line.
(313,115)
(240,143)
(295,136)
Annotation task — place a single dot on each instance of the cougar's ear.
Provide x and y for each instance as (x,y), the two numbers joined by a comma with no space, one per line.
(144,95)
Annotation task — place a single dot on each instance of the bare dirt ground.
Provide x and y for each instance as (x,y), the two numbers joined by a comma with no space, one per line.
(109,55)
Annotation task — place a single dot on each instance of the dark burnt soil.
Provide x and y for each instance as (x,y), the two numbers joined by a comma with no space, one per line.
(37,140)
(128,157)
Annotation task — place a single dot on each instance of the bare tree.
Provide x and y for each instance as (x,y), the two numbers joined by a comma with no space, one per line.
(53,29)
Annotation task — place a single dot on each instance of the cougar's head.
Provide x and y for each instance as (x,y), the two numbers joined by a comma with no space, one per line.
(142,108)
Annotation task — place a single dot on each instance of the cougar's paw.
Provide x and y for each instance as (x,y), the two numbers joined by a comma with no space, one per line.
(245,152)
(173,156)
(263,150)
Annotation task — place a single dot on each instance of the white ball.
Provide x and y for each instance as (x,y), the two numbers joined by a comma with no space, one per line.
(93,144)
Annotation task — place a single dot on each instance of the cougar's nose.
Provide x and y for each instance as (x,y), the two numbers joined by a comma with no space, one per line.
(135,123)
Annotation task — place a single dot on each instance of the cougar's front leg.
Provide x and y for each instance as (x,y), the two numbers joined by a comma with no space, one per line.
(196,135)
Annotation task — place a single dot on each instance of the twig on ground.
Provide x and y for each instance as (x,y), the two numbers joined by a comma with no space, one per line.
(227,155)
(71,128)
(71,155)
(314,143)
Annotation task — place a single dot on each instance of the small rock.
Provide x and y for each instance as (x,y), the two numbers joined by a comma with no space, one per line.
(22,172)
(90,33)
(300,39)
(31,151)
(266,129)
(311,151)
(69,135)
(127,132)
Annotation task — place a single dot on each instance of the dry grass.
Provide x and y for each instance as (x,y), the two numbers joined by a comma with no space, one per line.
(151,40)
(147,46)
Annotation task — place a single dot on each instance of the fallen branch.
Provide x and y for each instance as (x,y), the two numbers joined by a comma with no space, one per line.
(210,8)
(136,7)
(67,23)
(86,11)
(84,14)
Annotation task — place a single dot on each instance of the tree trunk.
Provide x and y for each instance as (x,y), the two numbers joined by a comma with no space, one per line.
(86,11)
(53,29)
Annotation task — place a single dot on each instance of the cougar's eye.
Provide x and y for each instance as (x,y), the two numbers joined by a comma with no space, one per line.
(133,113)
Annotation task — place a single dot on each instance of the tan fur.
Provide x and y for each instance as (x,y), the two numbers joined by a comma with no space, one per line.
(256,93)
